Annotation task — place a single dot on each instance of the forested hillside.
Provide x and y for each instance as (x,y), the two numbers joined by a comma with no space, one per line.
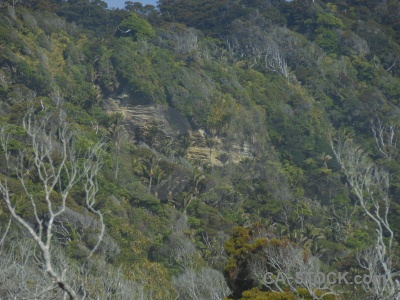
(200,150)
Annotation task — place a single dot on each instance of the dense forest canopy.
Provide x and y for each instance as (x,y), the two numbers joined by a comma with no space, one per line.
(199,149)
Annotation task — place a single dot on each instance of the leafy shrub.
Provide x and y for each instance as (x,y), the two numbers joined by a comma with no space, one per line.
(139,28)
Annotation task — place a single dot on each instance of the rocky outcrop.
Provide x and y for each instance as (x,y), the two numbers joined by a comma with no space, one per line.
(154,125)
(144,123)
(220,152)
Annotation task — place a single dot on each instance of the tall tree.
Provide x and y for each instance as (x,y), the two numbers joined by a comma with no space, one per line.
(370,184)
(59,168)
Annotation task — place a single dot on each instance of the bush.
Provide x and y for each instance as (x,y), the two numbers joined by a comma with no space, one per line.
(139,28)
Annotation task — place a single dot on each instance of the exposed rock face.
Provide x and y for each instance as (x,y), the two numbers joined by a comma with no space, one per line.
(154,125)
(220,152)
(144,123)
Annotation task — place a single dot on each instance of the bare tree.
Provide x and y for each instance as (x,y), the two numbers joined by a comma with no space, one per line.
(206,284)
(58,168)
(4,231)
(371,186)
(255,45)
(385,138)
(21,275)
(193,282)
(340,219)
(214,251)
(178,248)
(248,42)
(275,62)
(293,266)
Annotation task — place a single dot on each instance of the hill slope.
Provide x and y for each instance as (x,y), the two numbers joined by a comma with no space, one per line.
(223,140)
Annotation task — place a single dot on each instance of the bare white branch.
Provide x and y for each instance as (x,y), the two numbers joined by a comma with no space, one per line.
(58,169)
(288,262)
(371,186)
(385,139)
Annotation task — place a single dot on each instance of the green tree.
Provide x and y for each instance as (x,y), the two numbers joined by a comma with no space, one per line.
(137,27)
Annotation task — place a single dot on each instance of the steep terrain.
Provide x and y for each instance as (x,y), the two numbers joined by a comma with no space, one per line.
(157,125)
(190,151)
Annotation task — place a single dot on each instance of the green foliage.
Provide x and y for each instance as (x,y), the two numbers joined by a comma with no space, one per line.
(139,28)
(204,14)
(296,178)
(267,136)
(34,78)
(364,69)
(139,196)
(256,294)
(360,239)
(242,244)
(329,21)
(327,39)
(44,42)
(138,66)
